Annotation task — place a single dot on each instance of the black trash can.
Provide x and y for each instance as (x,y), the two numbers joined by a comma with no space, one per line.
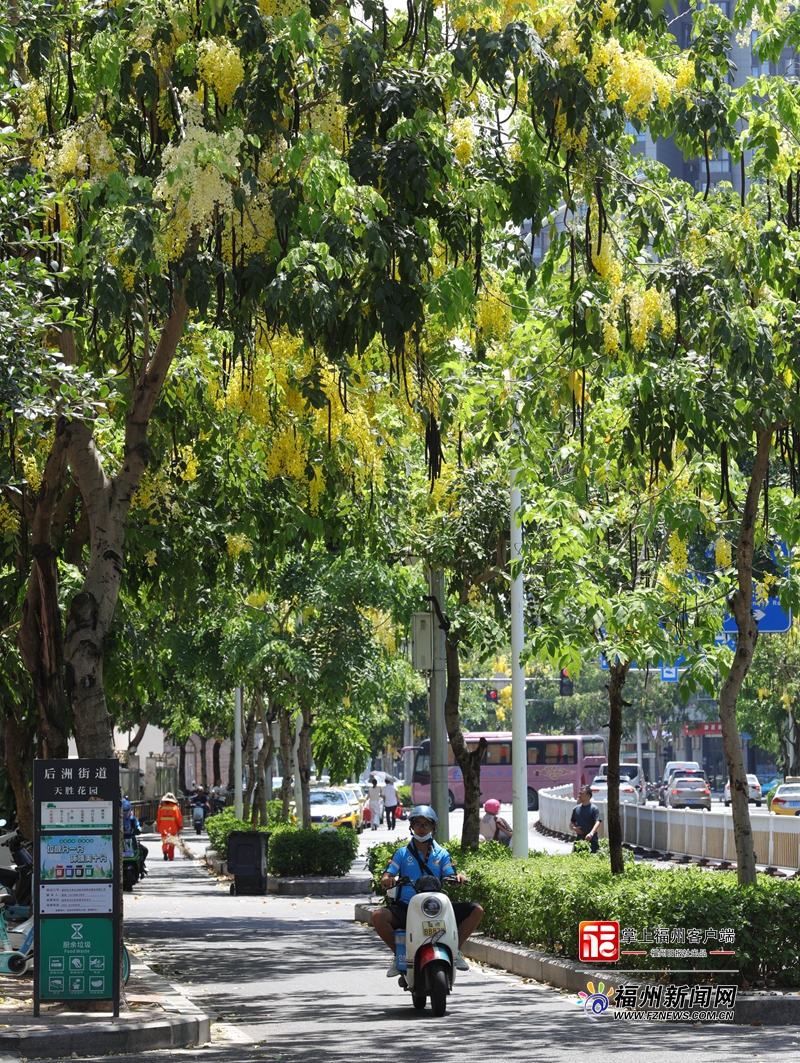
(247,861)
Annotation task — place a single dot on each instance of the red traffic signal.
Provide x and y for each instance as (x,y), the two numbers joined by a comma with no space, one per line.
(491,695)
(565,687)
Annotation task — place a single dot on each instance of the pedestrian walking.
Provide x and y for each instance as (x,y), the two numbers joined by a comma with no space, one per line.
(169,823)
(391,799)
(585,820)
(374,801)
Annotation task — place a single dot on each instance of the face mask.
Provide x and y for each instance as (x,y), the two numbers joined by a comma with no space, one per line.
(422,838)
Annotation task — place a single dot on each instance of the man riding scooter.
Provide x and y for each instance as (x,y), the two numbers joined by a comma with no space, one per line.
(422,856)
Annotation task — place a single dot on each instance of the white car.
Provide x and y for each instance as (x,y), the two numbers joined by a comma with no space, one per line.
(753,785)
(627,794)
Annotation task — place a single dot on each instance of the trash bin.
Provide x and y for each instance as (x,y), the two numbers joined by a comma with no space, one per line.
(247,861)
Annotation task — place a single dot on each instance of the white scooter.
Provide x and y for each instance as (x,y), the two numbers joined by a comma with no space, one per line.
(426,951)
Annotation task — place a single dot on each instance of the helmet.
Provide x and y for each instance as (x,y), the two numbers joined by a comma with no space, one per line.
(169,796)
(492,807)
(126,805)
(422,812)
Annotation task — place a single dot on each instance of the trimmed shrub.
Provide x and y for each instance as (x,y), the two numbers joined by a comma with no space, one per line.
(296,852)
(219,828)
(404,793)
(540,901)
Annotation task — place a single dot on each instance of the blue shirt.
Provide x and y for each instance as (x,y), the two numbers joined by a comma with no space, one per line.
(405,865)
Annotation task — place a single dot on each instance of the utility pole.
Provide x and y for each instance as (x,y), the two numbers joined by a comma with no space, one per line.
(519,752)
(237,755)
(438,731)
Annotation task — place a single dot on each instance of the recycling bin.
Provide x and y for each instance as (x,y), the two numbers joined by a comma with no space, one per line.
(247,861)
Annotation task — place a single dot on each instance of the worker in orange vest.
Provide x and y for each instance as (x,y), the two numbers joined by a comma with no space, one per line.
(168,824)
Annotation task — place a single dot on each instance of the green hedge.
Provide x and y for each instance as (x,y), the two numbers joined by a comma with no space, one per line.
(404,793)
(292,852)
(295,852)
(540,901)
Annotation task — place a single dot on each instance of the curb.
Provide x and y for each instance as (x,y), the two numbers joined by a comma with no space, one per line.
(347,886)
(757,1009)
(183,1025)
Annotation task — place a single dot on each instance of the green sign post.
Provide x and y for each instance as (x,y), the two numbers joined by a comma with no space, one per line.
(77,903)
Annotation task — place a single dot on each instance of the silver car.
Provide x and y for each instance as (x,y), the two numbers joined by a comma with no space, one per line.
(627,794)
(754,791)
(688,793)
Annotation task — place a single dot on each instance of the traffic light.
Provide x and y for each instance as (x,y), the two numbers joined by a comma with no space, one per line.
(565,687)
(491,696)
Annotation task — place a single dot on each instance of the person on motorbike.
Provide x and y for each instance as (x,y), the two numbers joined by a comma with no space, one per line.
(422,856)
(493,827)
(131,828)
(199,800)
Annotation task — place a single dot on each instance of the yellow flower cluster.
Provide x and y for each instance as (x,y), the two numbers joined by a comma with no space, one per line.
(722,553)
(280,8)
(610,337)
(678,555)
(200,169)
(32,112)
(33,476)
(190,463)
(464,137)
(237,543)
(630,77)
(84,151)
(255,229)
(607,266)
(685,74)
(668,323)
(608,13)
(493,316)
(644,309)
(128,274)
(150,558)
(257,599)
(9,519)
(220,67)
(764,588)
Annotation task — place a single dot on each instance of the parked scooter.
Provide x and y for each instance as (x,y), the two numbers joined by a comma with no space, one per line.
(133,852)
(17,879)
(426,951)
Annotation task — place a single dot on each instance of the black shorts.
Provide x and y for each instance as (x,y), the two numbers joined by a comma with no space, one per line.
(461,910)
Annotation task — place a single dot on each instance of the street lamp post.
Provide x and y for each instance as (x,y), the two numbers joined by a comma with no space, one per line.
(438,730)
(519,753)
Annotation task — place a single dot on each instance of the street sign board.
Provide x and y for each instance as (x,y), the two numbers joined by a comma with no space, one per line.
(76,881)
(772,618)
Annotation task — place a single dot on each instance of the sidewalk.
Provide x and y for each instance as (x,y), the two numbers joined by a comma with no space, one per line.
(159,1017)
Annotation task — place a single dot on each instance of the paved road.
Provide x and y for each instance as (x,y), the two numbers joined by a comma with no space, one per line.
(297,980)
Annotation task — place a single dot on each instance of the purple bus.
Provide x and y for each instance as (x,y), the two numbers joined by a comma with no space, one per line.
(553,760)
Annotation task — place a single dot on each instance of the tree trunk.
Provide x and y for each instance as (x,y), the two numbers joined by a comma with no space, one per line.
(19,751)
(41,642)
(248,758)
(304,763)
(468,761)
(182,766)
(287,742)
(264,757)
(215,768)
(741,606)
(106,503)
(134,743)
(203,763)
(789,738)
(618,673)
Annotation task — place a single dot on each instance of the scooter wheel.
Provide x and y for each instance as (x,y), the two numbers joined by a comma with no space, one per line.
(439,991)
(17,963)
(233,889)
(418,1000)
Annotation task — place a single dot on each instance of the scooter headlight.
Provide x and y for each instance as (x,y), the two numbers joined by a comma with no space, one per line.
(431,906)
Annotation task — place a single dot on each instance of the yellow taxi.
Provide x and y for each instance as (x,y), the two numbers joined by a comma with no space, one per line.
(331,807)
(786,800)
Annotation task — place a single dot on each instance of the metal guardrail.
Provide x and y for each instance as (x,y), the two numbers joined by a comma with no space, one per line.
(776,839)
